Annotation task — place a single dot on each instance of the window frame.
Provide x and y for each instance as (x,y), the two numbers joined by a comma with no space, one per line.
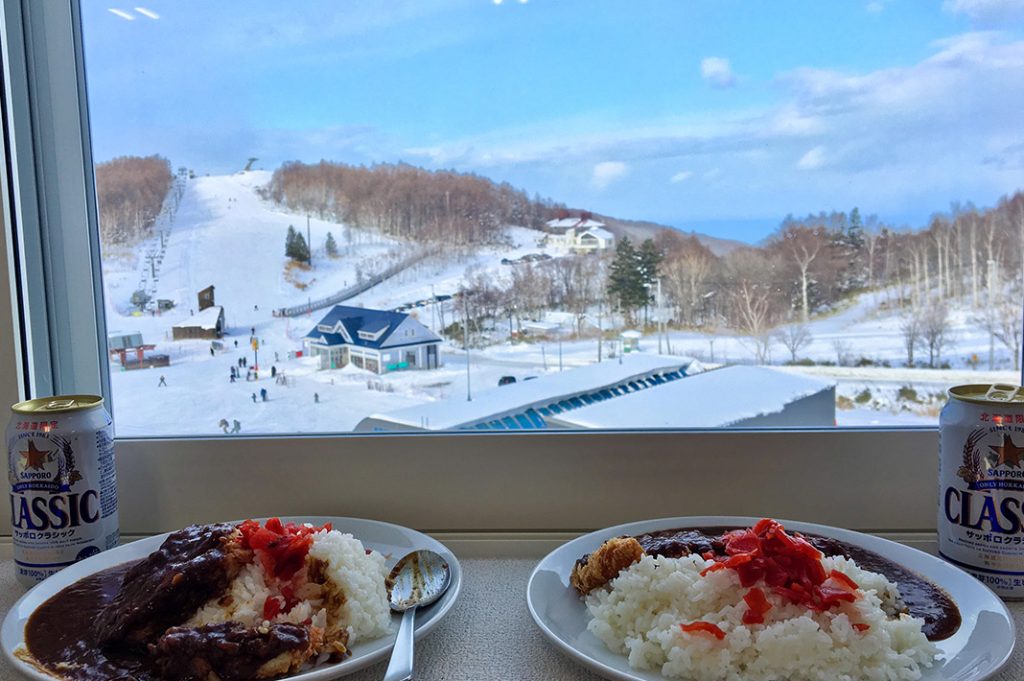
(882,479)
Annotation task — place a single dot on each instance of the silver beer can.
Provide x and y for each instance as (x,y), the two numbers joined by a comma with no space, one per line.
(60,463)
(981,485)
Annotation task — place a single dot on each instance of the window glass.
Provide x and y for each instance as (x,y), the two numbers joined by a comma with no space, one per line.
(501,215)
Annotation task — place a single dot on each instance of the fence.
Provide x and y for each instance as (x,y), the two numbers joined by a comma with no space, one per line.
(354,290)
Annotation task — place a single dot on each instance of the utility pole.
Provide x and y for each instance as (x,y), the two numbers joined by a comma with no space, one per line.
(433,308)
(559,348)
(661,315)
(465,341)
(600,330)
(309,243)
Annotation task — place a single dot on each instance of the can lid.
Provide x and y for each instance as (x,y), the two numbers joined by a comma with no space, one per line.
(58,404)
(988,393)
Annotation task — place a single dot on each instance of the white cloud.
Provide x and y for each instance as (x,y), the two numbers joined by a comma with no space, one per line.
(875,7)
(815,158)
(607,172)
(681,176)
(717,71)
(986,11)
(908,135)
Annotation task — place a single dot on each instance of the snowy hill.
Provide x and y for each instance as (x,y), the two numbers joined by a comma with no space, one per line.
(223,234)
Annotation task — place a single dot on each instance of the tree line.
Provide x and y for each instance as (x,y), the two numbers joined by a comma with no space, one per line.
(130,192)
(407,202)
(808,266)
(813,264)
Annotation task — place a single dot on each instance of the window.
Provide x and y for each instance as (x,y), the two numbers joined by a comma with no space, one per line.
(47,108)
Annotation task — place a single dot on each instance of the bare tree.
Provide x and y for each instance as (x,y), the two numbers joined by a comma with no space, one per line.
(1008,329)
(803,244)
(935,331)
(910,327)
(795,337)
(842,349)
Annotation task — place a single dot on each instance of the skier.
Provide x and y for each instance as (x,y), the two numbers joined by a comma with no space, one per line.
(236,342)
(263,394)
(211,351)
(239,362)
(162,382)
(223,425)
(253,332)
(273,371)
(248,375)
(236,427)
(232,376)
(316,398)
(256,308)
(254,398)
(276,358)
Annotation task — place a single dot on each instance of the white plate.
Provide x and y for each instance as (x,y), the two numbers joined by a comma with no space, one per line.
(393,541)
(976,651)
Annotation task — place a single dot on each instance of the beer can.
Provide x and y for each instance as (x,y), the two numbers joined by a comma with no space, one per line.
(981,485)
(60,463)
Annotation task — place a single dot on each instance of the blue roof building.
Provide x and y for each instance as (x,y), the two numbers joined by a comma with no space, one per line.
(376,340)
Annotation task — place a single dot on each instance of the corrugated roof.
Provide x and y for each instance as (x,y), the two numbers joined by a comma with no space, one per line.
(720,397)
(508,400)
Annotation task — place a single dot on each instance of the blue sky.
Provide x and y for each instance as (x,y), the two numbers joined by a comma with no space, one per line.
(716,115)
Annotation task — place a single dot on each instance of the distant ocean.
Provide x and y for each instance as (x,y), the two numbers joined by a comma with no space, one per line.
(755,231)
(747,231)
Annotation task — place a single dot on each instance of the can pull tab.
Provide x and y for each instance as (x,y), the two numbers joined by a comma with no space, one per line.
(58,404)
(1005,392)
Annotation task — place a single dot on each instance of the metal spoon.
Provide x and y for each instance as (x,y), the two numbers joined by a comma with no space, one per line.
(419,578)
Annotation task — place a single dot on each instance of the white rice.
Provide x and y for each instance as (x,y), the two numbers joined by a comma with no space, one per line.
(639,616)
(360,576)
(355,597)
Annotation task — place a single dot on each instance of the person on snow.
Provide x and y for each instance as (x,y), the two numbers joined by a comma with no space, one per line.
(273,371)
(223,425)
(162,382)
(263,394)
(236,427)
(316,398)
(254,398)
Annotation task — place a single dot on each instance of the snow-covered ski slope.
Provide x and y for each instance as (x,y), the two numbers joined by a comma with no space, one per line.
(223,234)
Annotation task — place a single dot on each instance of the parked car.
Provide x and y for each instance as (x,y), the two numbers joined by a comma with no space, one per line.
(506,380)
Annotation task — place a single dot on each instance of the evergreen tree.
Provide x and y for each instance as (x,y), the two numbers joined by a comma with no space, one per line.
(289,243)
(848,247)
(301,249)
(855,231)
(625,279)
(648,259)
(331,246)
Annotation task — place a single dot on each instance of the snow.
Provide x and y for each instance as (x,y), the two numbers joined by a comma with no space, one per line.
(720,397)
(599,233)
(204,319)
(518,396)
(224,234)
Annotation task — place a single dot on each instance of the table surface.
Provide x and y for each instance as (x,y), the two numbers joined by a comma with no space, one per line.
(489,633)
